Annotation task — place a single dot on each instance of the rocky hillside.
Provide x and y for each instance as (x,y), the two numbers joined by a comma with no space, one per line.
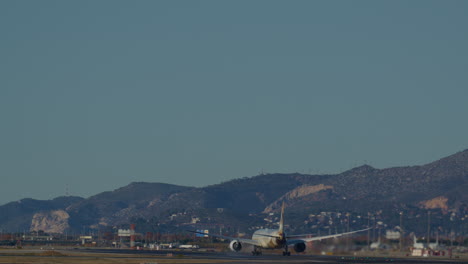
(119,206)
(19,215)
(440,185)
(55,221)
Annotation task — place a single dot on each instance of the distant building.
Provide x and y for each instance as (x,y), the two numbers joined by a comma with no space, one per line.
(390,234)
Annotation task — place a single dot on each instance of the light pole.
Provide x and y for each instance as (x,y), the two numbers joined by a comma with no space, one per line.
(401,231)
(374,224)
(347,237)
(428,226)
(368,231)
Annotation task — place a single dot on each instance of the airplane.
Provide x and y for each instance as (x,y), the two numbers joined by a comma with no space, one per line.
(275,239)
(417,244)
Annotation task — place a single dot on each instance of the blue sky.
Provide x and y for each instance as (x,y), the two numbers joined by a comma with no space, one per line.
(97,94)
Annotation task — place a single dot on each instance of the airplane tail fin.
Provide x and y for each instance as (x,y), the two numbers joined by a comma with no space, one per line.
(281,223)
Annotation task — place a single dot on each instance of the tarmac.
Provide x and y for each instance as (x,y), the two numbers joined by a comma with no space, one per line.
(233,257)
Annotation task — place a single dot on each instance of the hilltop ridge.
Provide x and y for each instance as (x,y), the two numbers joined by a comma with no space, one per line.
(439,185)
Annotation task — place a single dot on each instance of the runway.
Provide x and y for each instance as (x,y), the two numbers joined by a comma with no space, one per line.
(179,256)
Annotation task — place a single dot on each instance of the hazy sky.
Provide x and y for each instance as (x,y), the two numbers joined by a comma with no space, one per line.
(98,94)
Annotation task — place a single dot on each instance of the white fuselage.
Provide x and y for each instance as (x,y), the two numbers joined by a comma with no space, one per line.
(268,238)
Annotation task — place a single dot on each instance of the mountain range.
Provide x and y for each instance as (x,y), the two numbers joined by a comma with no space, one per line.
(439,186)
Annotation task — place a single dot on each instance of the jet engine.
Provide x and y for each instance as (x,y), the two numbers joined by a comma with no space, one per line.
(299,247)
(235,245)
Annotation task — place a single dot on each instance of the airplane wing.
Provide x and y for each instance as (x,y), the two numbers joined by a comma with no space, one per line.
(305,239)
(242,240)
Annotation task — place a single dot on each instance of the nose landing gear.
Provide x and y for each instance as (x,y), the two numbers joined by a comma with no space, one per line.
(286,252)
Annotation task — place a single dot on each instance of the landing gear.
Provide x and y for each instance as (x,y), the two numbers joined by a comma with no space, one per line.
(286,252)
(257,251)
